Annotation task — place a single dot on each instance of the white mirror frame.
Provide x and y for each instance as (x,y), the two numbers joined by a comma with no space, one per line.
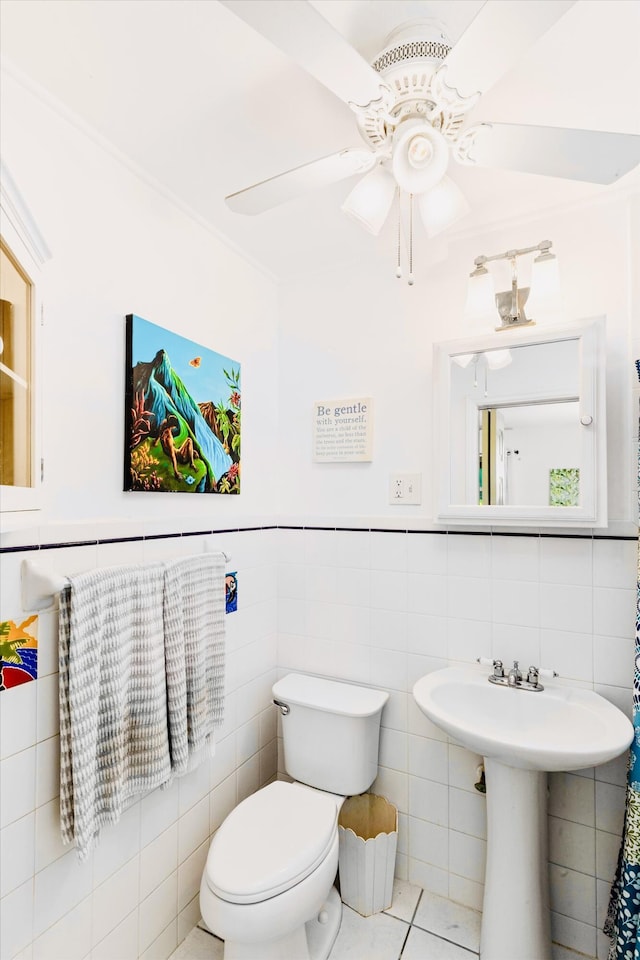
(593,467)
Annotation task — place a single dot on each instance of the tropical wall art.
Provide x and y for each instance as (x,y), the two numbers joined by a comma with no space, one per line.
(182,429)
(231,592)
(18,652)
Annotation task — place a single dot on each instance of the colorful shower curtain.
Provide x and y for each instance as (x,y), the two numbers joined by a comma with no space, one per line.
(623,919)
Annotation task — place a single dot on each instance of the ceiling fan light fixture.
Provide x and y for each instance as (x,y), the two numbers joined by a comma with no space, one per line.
(420,156)
(371,199)
(497,359)
(419,151)
(442,206)
(463,359)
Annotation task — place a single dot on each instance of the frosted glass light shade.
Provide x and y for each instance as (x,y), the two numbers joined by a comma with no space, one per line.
(370,200)
(544,299)
(420,156)
(480,303)
(496,359)
(463,359)
(441,206)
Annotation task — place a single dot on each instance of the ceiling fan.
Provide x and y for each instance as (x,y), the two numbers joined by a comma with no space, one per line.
(411,105)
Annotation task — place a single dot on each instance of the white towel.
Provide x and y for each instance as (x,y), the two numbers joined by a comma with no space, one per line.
(194,624)
(113,709)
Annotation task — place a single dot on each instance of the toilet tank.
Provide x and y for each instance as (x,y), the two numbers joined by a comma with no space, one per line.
(331,732)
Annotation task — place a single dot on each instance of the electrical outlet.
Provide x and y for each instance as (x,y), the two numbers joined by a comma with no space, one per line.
(405,488)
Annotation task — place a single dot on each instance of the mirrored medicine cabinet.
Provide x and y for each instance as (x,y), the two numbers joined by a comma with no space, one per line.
(520,427)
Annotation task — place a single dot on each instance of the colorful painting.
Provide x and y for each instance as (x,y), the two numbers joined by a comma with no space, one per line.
(182,425)
(18,652)
(231,592)
(564,487)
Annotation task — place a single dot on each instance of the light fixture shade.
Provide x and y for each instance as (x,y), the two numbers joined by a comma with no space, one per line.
(441,206)
(480,303)
(420,156)
(544,299)
(370,200)
(463,359)
(496,359)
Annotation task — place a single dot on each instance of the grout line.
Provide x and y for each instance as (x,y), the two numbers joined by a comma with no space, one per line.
(404,942)
(413,915)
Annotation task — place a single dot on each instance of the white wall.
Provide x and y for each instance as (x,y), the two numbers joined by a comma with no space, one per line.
(118,247)
(359,331)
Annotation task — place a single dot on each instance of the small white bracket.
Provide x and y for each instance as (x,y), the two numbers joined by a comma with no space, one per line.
(39,587)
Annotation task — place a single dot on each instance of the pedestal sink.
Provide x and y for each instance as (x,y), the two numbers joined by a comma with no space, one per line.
(522,735)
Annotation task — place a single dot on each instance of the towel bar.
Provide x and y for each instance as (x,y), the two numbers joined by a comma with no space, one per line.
(39,586)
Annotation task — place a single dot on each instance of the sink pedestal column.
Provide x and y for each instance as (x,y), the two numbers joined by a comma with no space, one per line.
(515,913)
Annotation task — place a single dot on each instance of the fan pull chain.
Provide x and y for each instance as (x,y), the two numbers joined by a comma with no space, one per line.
(410,279)
(399,267)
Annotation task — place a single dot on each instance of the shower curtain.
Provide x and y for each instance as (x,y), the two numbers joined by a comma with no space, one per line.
(623,919)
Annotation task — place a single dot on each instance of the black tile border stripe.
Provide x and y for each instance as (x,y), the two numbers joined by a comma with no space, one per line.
(33,547)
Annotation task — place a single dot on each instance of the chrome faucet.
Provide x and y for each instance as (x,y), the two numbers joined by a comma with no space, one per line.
(514,677)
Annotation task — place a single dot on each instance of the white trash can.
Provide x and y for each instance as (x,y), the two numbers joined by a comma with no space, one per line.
(368,835)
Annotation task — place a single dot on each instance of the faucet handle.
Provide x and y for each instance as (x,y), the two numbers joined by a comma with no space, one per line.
(498,669)
(535,673)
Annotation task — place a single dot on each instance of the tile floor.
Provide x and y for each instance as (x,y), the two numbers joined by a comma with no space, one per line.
(417,926)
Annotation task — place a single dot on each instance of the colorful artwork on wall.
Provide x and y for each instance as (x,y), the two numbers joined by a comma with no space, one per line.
(231,592)
(182,428)
(18,652)
(564,487)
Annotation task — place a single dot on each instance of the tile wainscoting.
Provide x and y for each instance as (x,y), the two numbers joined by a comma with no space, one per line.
(386,607)
(372,606)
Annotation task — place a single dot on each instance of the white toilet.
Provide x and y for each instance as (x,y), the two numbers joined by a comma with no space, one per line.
(267,888)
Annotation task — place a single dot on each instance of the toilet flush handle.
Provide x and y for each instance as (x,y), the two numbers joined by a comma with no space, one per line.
(284,707)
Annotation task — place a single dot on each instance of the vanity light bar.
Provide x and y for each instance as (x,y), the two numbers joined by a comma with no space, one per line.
(482,301)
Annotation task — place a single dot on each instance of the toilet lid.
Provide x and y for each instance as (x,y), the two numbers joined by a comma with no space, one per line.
(271,841)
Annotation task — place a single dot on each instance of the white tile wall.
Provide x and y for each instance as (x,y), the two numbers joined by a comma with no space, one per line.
(563,603)
(370,607)
(139,890)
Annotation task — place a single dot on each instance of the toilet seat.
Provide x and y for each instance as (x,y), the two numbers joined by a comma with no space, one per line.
(270,842)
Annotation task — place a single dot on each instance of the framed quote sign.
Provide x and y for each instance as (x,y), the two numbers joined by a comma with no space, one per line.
(343,430)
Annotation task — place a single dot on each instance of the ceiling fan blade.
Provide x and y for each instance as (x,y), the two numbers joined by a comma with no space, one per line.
(296,28)
(294,183)
(497,39)
(589,155)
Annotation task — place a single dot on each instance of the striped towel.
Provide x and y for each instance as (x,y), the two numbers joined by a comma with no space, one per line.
(194,623)
(113,707)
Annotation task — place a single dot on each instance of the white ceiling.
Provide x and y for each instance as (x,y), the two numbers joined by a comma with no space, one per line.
(207,107)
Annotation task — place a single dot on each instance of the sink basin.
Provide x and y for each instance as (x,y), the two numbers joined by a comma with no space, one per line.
(560,728)
(522,735)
